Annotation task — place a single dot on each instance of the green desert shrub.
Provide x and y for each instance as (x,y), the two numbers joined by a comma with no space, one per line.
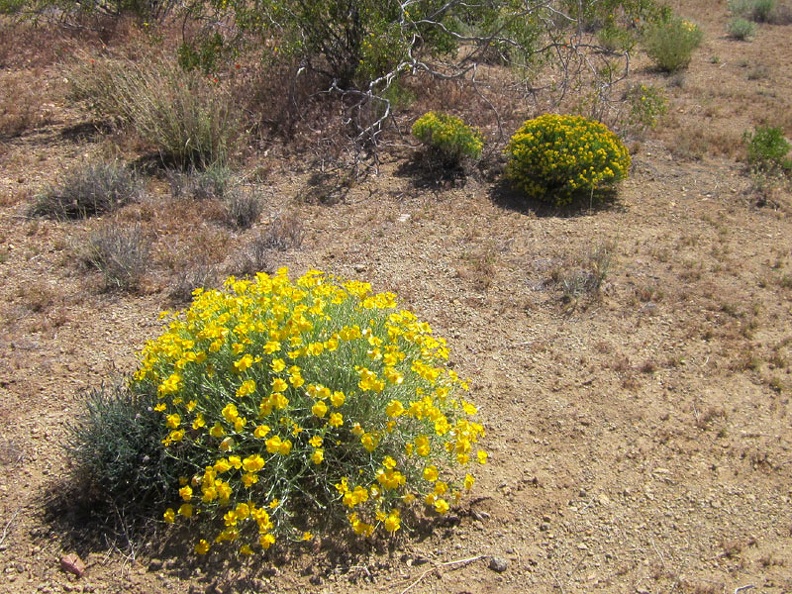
(670,43)
(303,405)
(564,158)
(647,104)
(740,28)
(447,139)
(90,189)
(187,117)
(759,11)
(767,150)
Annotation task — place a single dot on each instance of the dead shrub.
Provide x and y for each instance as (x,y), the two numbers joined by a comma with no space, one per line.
(197,276)
(242,208)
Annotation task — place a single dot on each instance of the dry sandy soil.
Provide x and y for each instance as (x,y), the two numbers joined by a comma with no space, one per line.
(640,439)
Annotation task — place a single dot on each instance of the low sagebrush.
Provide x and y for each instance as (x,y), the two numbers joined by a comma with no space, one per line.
(120,254)
(89,190)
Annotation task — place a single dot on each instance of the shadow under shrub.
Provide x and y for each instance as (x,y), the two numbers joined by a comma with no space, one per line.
(89,190)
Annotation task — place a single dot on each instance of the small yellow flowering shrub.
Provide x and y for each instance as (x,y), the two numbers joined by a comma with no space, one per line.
(447,138)
(560,158)
(301,401)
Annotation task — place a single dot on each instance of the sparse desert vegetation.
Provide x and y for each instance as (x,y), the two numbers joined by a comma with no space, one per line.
(586,205)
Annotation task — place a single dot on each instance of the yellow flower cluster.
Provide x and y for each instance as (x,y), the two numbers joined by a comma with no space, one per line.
(306,397)
(449,136)
(558,158)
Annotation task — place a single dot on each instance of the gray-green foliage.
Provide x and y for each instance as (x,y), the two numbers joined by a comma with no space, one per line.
(116,450)
(670,43)
(759,11)
(740,28)
(91,189)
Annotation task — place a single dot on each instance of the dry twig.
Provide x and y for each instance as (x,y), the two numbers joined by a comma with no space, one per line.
(460,562)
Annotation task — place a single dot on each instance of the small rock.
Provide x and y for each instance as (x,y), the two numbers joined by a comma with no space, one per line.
(498,564)
(360,268)
(73,564)
(155,564)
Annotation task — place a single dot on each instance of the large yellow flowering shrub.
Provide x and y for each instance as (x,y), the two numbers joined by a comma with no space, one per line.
(295,402)
(560,158)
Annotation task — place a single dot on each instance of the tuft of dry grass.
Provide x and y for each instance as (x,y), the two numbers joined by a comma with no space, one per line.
(286,232)
(188,119)
(19,104)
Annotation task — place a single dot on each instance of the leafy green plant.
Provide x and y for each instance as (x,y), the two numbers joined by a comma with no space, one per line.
(759,11)
(189,119)
(298,405)
(88,190)
(647,104)
(563,158)
(447,139)
(767,150)
(670,43)
(741,29)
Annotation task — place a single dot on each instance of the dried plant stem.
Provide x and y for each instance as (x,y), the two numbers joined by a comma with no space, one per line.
(458,562)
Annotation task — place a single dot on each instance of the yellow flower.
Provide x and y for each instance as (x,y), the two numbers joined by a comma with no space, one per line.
(266,540)
(317,457)
(185,510)
(202,547)
(169,515)
(247,388)
(441,506)
(336,419)
(392,523)
(430,473)
(316,441)
(253,463)
(261,431)
(319,409)
(186,493)
(394,408)
(245,550)
(337,399)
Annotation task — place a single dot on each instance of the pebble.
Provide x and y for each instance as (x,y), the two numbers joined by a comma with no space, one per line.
(498,564)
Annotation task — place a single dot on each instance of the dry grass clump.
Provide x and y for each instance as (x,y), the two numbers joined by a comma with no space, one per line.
(19,105)
(91,189)
(191,120)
